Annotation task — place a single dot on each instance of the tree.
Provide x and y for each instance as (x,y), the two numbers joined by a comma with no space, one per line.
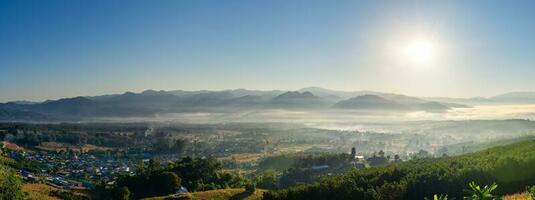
(267,179)
(123,193)
(250,188)
(422,154)
(166,183)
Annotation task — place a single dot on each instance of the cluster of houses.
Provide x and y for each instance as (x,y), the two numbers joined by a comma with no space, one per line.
(361,161)
(71,170)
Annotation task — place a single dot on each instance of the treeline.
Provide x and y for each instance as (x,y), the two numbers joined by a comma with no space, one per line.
(129,137)
(156,179)
(512,167)
(287,170)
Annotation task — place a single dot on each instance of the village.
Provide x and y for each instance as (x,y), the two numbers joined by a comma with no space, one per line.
(67,169)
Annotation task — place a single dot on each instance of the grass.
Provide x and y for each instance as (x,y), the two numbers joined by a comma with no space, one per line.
(222,194)
(38,191)
(519,196)
(57,146)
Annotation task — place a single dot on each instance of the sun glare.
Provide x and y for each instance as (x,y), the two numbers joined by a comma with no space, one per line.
(419,51)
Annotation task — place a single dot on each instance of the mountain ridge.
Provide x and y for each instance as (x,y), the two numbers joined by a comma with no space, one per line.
(149,103)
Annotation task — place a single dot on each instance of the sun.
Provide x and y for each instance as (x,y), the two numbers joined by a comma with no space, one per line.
(419,51)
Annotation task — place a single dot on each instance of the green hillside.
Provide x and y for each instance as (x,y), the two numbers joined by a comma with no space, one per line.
(512,167)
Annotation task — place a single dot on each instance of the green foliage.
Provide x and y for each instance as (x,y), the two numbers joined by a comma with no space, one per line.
(122,193)
(10,185)
(150,183)
(267,179)
(478,193)
(438,197)
(196,174)
(531,191)
(422,178)
(250,188)
(205,174)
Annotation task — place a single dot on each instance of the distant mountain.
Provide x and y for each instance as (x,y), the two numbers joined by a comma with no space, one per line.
(515,97)
(23,102)
(368,102)
(152,102)
(21,115)
(511,97)
(298,100)
(403,103)
(322,92)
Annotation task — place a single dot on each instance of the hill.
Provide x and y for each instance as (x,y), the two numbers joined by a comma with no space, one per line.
(151,103)
(515,97)
(511,167)
(391,102)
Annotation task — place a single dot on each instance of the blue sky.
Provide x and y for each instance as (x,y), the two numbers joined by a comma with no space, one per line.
(54,49)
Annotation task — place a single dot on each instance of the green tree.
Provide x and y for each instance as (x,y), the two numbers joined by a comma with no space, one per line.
(267,179)
(166,183)
(122,193)
(250,188)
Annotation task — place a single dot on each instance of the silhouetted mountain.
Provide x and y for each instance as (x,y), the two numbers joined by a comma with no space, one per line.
(21,115)
(369,101)
(297,100)
(151,102)
(322,92)
(374,102)
(515,97)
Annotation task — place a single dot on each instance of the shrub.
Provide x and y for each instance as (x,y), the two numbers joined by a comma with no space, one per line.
(438,197)
(10,185)
(531,191)
(250,188)
(478,193)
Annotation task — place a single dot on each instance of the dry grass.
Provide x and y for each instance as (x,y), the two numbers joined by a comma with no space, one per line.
(39,191)
(244,157)
(56,146)
(520,196)
(222,194)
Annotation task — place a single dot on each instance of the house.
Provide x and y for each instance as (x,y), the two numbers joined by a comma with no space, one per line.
(182,190)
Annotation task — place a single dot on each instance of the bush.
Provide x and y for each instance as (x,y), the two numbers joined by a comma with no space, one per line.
(10,185)
(478,193)
(250,188)
(122,193)
(531,191)
(438,197)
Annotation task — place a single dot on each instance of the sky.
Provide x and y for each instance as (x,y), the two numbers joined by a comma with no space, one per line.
(51,49)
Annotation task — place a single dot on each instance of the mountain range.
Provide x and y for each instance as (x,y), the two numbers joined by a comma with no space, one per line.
(150,103)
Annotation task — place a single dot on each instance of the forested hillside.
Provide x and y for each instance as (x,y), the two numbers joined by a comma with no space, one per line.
(512,167)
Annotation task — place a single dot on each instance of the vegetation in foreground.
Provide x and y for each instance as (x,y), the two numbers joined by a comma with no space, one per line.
(512,167)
